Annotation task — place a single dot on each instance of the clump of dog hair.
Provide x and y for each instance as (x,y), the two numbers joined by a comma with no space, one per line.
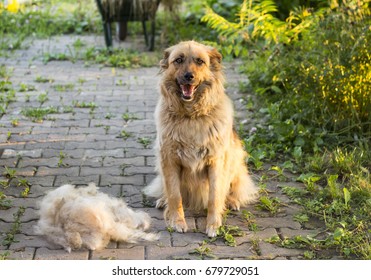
(82,217)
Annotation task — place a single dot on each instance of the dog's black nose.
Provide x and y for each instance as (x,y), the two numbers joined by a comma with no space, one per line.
(188,76)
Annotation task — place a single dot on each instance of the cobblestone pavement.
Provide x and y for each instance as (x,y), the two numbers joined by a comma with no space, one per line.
(103,132)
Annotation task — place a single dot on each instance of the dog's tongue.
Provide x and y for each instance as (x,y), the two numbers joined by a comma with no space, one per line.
(187,90)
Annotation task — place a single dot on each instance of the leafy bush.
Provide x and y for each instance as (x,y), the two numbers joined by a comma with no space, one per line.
(322,81)
(255,21)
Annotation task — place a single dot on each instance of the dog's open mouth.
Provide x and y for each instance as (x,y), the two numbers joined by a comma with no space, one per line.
(188,91)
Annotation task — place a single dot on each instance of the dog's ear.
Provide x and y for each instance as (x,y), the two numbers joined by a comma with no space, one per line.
(215,59)
(164,62)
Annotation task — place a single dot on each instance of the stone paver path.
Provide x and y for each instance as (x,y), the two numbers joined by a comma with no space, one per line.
(103,132)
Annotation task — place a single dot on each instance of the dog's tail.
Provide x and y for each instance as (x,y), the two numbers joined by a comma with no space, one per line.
(246,190)
(155,189)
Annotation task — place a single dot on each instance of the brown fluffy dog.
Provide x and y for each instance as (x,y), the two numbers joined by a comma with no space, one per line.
(201,162)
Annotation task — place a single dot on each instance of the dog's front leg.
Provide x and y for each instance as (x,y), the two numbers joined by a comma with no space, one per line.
(217,195)
(174,213)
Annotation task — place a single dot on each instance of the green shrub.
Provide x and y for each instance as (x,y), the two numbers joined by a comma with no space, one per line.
(324,79)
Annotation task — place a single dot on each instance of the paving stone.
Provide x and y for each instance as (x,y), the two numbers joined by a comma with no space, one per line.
(104,153)
(130,190)
(74,153)
(21,254)
(136,180)
(271,251)
(68,171)
(8,214)
(9,153)
(90,171)
(36,162)
(244,251)
(135,253)
(73,145)
(288,233)
(50,145)
(24,241)
(278,222)
(132,170)
(263,234)
(60,254)
(28,228)
(39,190)
(78,180)
(174,253)
(113,190)
(45,181)
(181,239)
(28,202)
(10,163)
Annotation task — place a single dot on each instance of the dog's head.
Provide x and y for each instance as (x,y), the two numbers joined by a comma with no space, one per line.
(190,68)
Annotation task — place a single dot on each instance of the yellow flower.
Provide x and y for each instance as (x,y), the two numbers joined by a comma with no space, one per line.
(13,6)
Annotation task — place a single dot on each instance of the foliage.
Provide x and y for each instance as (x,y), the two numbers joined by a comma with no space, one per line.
(256,20)
(47,18)
(51,18)
(319,93)
(344,205)
(38,114)
(15,229)
(5,203)
(187,24)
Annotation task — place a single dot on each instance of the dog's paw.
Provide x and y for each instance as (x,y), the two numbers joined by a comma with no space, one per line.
(179,225)
(212,231)
(214,222)
(233,204)
(161,203)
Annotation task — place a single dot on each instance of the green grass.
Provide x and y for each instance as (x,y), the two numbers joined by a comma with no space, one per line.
(40,79)
(5,203)
(38,114)
(64,87)
(82,104)
(16,227)
(145,141)
(125,135)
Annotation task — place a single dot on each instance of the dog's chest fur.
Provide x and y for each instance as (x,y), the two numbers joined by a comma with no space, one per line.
(194,142)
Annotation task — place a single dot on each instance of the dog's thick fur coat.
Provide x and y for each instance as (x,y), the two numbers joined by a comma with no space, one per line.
(76,217)
(201,161)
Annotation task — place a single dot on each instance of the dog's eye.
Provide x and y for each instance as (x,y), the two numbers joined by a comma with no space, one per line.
(199,61)
(179,60)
